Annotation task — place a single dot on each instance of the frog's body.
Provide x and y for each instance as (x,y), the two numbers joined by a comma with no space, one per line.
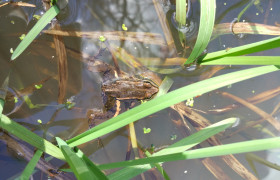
(122,88)
(129,88)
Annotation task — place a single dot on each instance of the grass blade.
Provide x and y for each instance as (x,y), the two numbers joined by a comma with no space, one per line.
(234,148)
(76,163)
(246,49)
(250,157)
(31,165)
(32,34)
(181,12)
(177,147)
(167,100)
(207,18)
(96,171)
(244,60)
(30,137)
(3,93)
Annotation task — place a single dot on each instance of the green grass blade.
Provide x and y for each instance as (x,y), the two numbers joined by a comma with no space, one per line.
(165,86)
(76,163)
(181,12)
(3,92)
(167,100)
(250,157)
(245,60)
(28,170)
(96,171)
(246,49)
(177,147)
(234,148)
(32,34)
(2,102)
(207,19)
(244,10)
(30,137)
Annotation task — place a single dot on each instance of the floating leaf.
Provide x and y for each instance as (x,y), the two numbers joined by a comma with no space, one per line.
(173,137)
(124,27)
(69,105)
(38,86)
(146,130)
(102,38)
(22,37)
(39,121)
(190,102)
(37,16)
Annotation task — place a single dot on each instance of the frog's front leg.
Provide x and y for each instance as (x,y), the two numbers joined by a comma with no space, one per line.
(98,116)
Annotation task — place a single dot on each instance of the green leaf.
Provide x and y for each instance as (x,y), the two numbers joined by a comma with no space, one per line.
(245,49)
(102,38)
(146,130)
(244,60)
(234,148)
(3,93)
(22,37)
(31,165)
(177,147)
(167,100)
(96,171)
(38,86)
(165,86)
(207,19)
(250,157)
(37,16)
(76,163)
(124,27)
(26,135)
(181,12)
(33,33)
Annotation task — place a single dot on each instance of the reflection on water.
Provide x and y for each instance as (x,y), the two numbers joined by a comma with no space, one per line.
(39,62)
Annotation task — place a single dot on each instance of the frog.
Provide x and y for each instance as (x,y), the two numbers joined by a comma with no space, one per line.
(119,88)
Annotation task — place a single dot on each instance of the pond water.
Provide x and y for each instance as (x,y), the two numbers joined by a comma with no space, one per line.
(39,61)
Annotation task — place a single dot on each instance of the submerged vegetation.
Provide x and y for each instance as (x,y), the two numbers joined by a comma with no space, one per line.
(154,99)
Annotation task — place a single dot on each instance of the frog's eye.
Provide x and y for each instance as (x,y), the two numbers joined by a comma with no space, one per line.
(147,85)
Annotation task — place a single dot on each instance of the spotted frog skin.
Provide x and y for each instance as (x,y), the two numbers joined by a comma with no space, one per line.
(125,88)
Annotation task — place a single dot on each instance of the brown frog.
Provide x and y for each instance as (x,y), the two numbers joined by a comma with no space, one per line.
(116,89)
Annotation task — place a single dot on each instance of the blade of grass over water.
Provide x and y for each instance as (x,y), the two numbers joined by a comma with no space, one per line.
(76,163)
(28,170)
(234,148)
(207,19)
(96,171)
(181,12)
(30,137)
(177,147)
(244,60)
(3,92)
(33,33)
(165,86)
(245,9)
(167,100)
(246,49)
(250,157)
